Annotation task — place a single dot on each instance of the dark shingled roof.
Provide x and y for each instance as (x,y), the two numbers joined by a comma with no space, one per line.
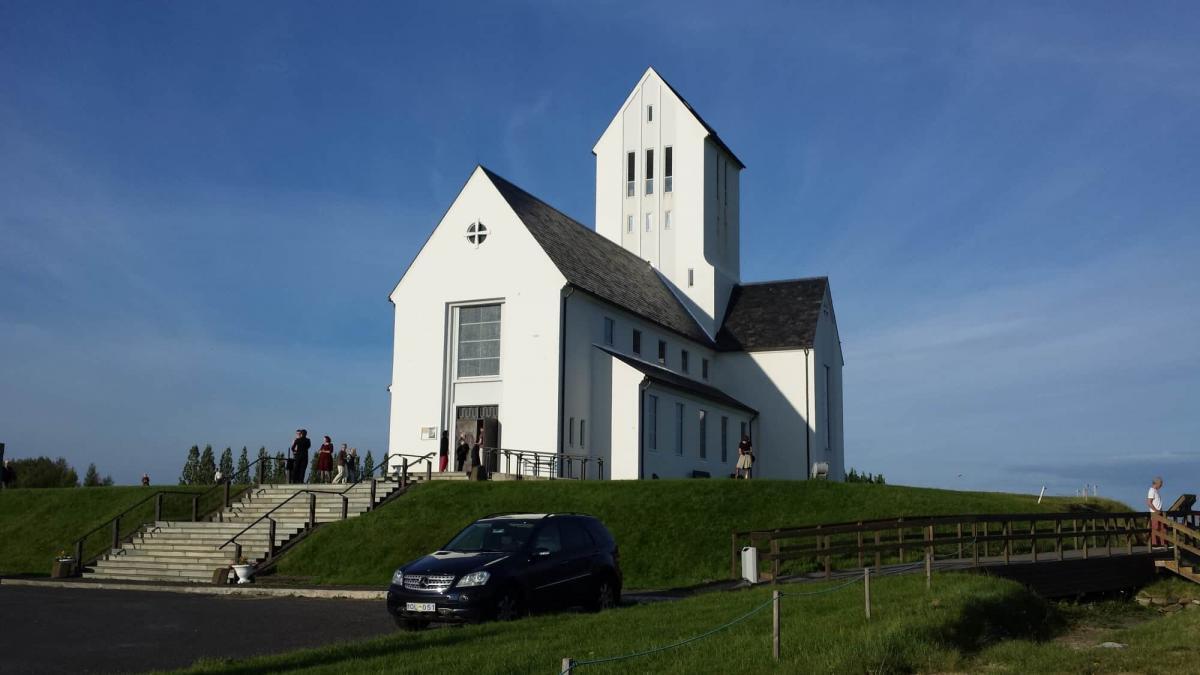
(662,376)
(772,315)
(598,266)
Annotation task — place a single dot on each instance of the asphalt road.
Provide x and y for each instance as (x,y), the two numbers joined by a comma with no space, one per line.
(55,630)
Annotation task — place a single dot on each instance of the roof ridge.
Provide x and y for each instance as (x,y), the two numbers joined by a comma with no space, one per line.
(822,277)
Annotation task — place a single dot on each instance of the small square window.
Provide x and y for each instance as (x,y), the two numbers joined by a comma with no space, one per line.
(637,342)
(662,352)
(610,327)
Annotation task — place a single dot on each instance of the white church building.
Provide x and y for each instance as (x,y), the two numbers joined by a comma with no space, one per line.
(636,342)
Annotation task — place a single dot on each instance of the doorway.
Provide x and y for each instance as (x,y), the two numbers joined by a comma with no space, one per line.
(479,422)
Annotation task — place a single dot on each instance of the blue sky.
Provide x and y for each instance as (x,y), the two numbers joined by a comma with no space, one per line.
(203,207)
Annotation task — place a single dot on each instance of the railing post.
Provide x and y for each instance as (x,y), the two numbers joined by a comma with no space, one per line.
(960,541)
(1007,529)
(568,666)
(371,506)
(227,493)
(1033,538)
(237,552)
(929,557)
(404,472)
(600,462)
(429,470)
(1085,539)
(79,556)
(860,545)
(345,506)
(261,470)
(116,533)
(878,551)
(975,544)
(312,510)
(270,538)
(195,508)
(158,507)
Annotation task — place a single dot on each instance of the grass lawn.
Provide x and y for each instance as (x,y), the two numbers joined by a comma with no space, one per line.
(671,532)
(35,524)
(911,630)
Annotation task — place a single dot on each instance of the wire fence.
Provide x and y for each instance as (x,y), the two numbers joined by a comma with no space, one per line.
(571,665)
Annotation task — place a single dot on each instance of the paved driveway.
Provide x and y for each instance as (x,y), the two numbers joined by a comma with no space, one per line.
(54,630)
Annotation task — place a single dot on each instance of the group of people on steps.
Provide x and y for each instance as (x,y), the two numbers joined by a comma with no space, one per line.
(345,460)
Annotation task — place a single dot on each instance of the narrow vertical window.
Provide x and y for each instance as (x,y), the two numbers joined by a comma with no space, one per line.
(571,433)
(649,221)
(703,435)
(704,368)
(630,175)
(650,171)
(610,327)
(668,168)
(649,113)
(652,421)
(679,428)
(828,413)
(637,341)
(667,220)
(724,439)
(662,352)
(683,360)
(582,433)
(691,277)
(629,224)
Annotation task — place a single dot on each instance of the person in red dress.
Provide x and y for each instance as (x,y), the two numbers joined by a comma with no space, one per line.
(325,461)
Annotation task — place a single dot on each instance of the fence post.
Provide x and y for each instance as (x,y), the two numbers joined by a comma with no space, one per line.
(774,560)
(195,508)
(775,624)
(270,537)
(867,590)
(158,507)
(929,557)
(568,666)
(975,543)
(116,532)
(312,509)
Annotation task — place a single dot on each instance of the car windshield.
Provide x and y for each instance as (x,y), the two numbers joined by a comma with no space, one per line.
(493,535)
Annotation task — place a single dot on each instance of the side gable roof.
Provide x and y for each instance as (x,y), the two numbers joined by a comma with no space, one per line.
(773,315)
(665,377)
(598,266)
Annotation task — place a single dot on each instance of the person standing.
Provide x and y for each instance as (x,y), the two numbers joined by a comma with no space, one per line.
(352,465)
(1154,501)
(342,456)
(325,461)
(9,477)
(299,452)
(444,452)
(745,460)
(460,452)
(477,457)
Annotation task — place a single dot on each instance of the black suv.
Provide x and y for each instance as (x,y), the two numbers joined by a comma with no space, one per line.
(502,565)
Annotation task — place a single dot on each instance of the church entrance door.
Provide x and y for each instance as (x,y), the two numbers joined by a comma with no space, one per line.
(480,422)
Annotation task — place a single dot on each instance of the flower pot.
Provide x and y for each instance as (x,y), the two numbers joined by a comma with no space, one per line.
(245,573)
(63,568)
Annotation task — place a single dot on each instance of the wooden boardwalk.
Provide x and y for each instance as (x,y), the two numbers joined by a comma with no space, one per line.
(1055,554)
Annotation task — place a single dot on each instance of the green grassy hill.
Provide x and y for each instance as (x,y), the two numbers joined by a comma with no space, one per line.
(35,524)
(671,533)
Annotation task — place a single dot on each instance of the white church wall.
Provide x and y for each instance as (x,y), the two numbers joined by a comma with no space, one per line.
(774,383)
(614,396)
(509,267)
(828,430)
(670,455)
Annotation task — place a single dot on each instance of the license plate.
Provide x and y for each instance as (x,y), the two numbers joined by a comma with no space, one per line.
(420,607)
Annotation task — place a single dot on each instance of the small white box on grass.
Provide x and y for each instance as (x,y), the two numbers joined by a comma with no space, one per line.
(750,564)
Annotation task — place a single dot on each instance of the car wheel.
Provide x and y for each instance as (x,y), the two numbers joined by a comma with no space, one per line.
(507,607)
(605,596)
(410,624)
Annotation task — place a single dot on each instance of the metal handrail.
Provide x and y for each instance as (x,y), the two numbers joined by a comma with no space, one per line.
(557,464)
(267,516)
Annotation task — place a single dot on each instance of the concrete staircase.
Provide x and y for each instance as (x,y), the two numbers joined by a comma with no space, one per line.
(190,551)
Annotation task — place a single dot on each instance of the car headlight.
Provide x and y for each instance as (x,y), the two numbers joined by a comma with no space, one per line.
(398,578)
(474,579)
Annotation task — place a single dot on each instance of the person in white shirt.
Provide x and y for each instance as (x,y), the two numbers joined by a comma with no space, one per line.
(1154,501)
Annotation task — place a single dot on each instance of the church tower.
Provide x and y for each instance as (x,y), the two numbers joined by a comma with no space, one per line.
(667,190)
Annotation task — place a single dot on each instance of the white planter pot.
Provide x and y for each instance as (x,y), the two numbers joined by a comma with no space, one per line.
(245,573)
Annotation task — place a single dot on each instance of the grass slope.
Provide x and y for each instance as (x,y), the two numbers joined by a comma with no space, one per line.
(35,524)
(671,533)
(911,630)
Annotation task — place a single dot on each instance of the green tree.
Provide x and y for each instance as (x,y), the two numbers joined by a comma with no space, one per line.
(368,465)
(191,468)
(243,468)
(262,468)
(92,477)
(279,469)
(208,467)
(43,472)
(312,470)
(226,464)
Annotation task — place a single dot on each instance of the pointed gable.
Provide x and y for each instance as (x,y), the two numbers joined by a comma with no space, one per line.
(773,315)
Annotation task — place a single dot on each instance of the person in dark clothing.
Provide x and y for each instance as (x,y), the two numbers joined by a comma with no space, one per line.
(460,452)
(444,452)
(8,475)
(477,456)
(300,448)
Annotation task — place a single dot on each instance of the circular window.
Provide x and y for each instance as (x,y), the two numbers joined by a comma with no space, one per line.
(476,233)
